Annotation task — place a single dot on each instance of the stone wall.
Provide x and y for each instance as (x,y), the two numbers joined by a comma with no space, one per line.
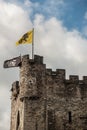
(45,100)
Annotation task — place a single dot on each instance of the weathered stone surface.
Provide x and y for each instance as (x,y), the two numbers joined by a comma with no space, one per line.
(45,100)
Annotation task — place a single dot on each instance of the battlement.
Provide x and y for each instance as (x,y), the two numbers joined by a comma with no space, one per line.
(25,58)
(85,79)
(74,77)
(15,85)
(32,71)
(15,89)
(61,73)
(57,72)
(44,99)
(37,59)
(49,71)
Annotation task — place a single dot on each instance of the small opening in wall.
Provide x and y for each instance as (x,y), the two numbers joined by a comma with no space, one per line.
(18,120)
(70,116)
(34,98)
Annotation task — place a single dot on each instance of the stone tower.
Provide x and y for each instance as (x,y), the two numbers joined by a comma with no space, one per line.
(28,96)
(45,100)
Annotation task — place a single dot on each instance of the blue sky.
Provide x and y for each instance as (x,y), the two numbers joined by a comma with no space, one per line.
(72,13)
(60,37)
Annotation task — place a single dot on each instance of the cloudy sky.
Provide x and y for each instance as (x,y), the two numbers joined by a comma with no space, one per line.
(60,36)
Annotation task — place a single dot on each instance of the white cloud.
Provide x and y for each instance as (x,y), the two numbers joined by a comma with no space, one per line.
(13,23)
(53,6)
(6,122)
(4,108)
(28,3)
(49,8)
(85,16)
(59,45)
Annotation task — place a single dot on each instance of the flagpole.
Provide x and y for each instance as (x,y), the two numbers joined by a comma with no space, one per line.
(33,43)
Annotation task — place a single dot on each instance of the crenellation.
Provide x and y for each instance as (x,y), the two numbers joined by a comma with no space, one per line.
(48,71)
(53,73)
(80,82)
(15,85)
(60,74)
(44,99)
(25,59)
(38,59)
(60,71)
(15,89)
(85,79)
(74,79)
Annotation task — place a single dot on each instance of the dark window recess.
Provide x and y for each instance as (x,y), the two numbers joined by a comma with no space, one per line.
(36,125)
(18,121)
(84,119)
(34,98)
(70,117)
(51,120)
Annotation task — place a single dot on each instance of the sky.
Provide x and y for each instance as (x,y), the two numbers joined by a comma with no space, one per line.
(60,37)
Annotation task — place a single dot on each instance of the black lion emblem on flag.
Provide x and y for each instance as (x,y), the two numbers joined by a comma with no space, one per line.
(24,38)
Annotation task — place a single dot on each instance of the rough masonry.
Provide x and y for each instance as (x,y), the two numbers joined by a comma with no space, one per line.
(43,99)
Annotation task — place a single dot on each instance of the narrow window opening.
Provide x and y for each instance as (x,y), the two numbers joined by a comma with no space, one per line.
(70,117)
(36,125)
(51,120)
(34,98)
(18,121)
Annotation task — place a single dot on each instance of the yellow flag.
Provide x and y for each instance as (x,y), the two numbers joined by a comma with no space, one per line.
(26,38)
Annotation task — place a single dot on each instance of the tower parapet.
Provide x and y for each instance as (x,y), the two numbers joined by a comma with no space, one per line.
(15,90)
(31,72)
(38,59)
(44,99)
(85,79)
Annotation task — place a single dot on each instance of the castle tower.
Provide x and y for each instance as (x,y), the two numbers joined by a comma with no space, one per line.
(28,96)
(43,99)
